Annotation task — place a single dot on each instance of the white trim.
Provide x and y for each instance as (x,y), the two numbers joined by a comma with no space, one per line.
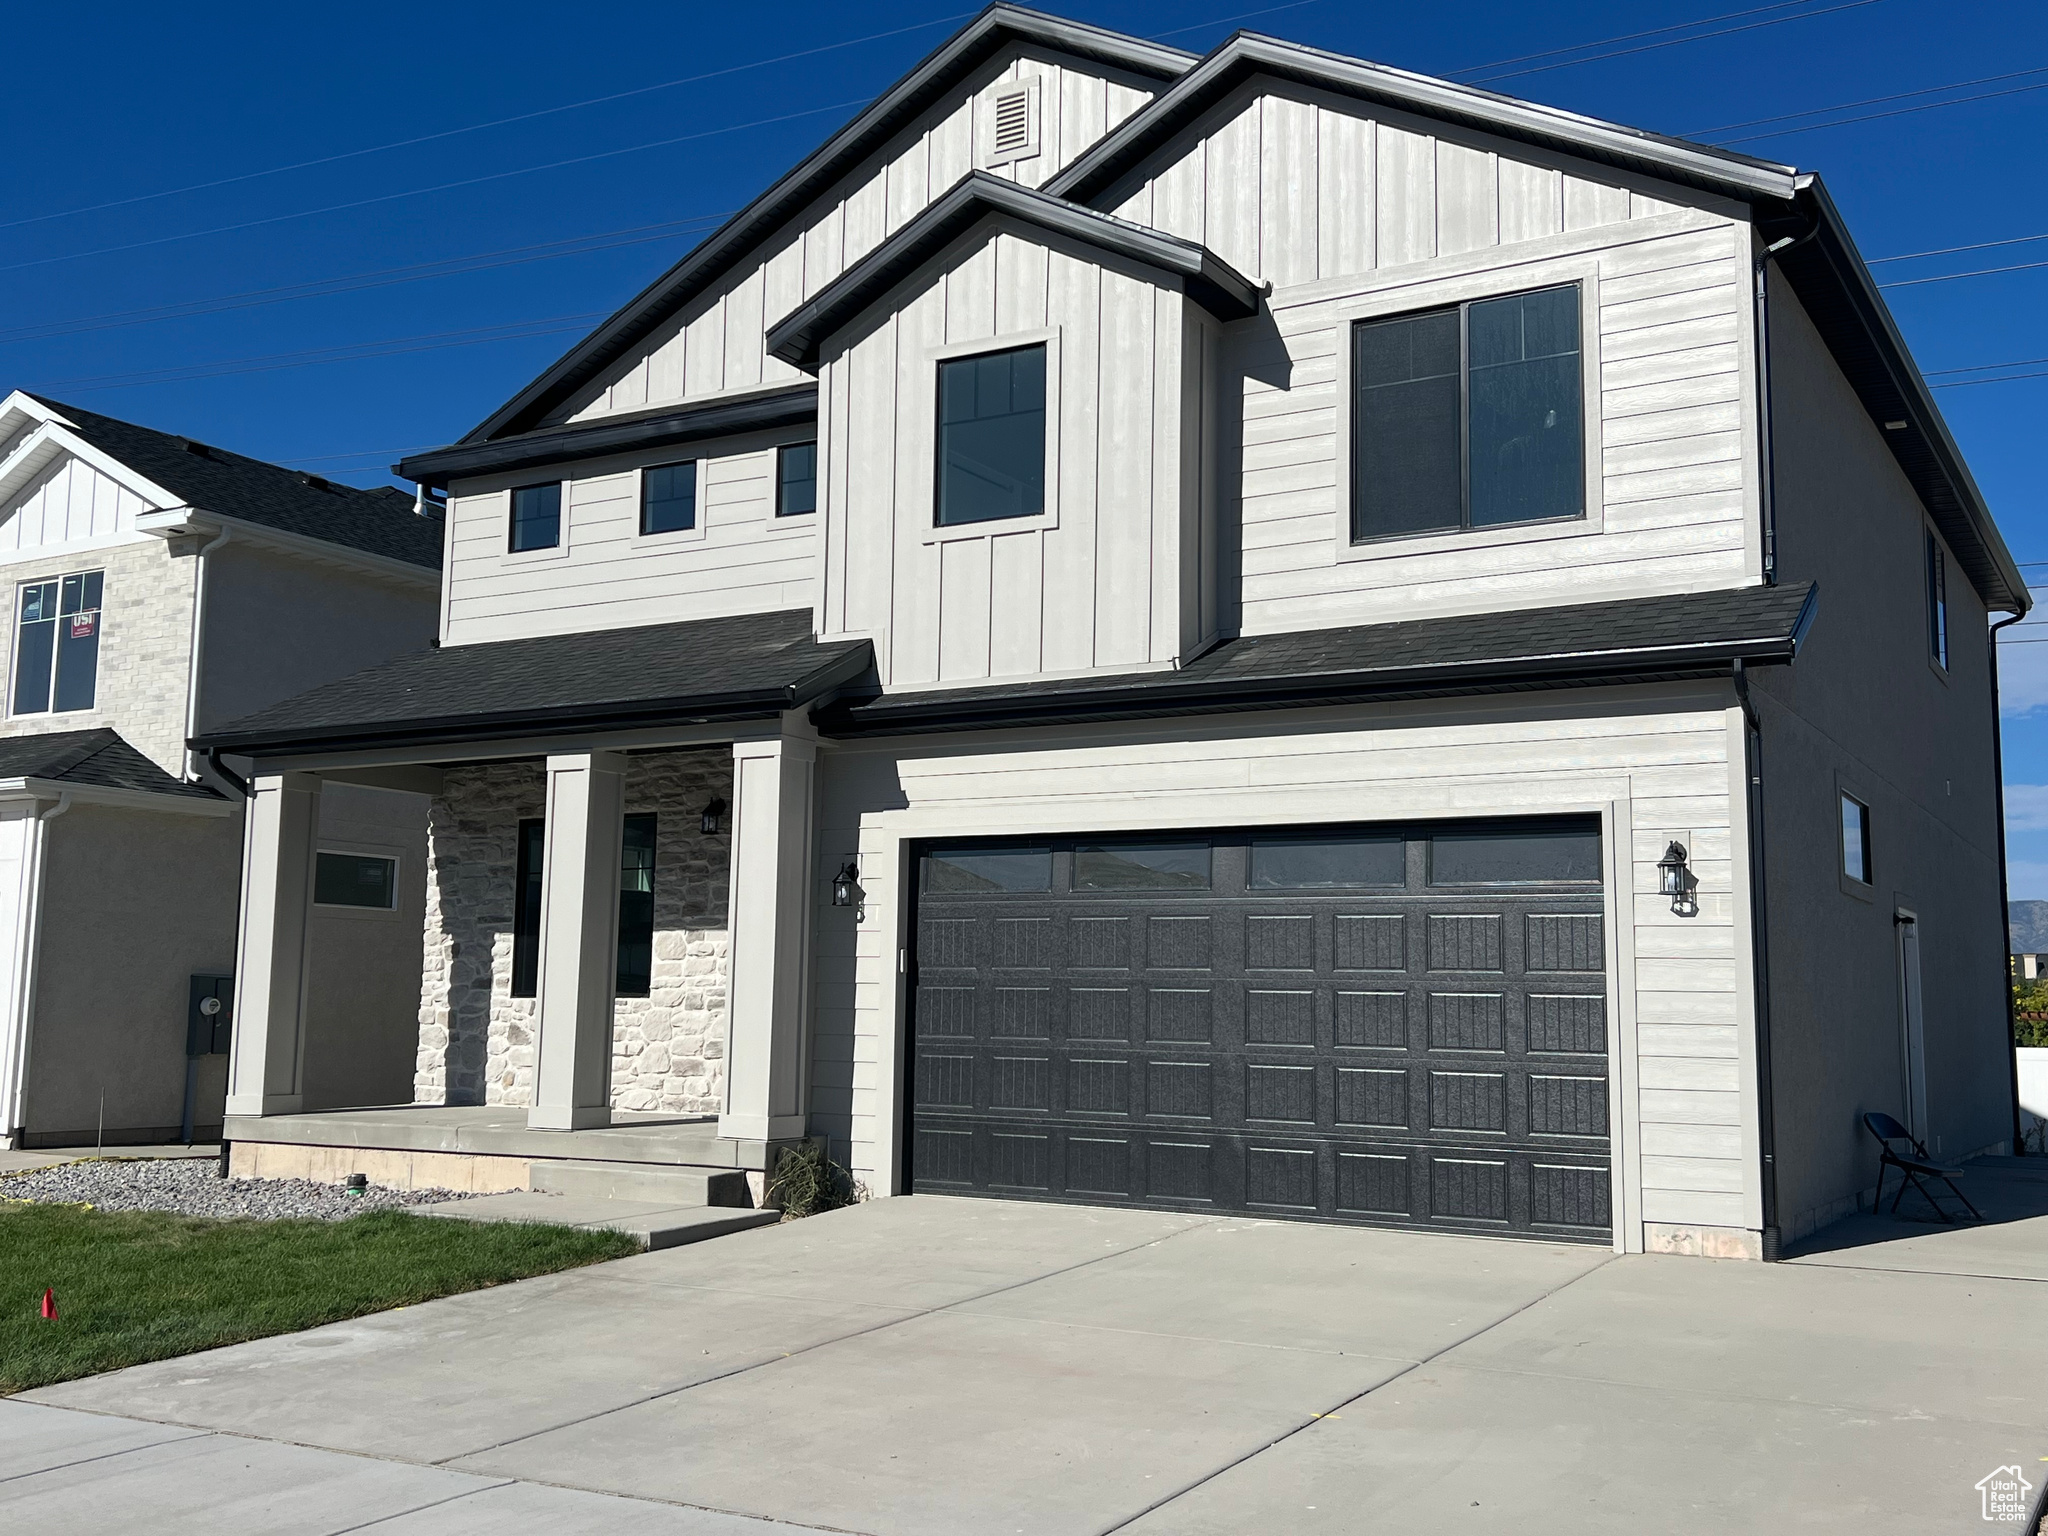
(1582,272)
(195,523)
(13,643)
(919,493)
(17,1008)
(124,799)
(700,515)
(559,550)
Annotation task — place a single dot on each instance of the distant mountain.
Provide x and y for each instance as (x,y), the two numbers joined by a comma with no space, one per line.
(2027,924)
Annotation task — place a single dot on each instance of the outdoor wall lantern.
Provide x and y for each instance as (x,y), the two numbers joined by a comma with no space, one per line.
(712,812)
(1676,881)
(846,889)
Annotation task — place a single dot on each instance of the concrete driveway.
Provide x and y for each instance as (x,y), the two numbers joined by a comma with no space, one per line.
(932,1365)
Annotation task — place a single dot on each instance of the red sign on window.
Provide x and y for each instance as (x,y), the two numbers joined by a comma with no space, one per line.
(82,625)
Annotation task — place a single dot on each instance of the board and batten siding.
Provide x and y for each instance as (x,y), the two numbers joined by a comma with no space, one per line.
(1350,216)
(717,347)
(741,558)
(68,503)
(1657,765)
(1119,575)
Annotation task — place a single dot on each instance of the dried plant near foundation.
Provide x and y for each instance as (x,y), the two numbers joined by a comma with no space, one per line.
(807,1182)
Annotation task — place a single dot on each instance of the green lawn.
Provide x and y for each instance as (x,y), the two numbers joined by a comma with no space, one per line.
(134,1286)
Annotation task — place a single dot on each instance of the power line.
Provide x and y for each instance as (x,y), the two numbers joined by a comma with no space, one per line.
(446,186)
(1294,5)
(2018,362)
(1629,37)
(1871,117)
(2006,379)
(1950,277)
(451,266)
(1868,101)
(450,133)
(1776,21)
(1951,250)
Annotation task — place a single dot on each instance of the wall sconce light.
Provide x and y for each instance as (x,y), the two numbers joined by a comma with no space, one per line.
(846,889)
(1676,881)
(712,812)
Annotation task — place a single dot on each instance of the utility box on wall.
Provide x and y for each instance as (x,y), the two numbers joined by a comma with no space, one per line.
(208,1022)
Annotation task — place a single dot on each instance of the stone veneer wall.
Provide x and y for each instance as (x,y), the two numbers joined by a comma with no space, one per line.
(476,1039)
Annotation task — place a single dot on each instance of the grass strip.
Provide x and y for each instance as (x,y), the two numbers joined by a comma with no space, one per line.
(133,1286)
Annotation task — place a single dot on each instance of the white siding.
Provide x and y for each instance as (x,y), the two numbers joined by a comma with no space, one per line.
(606,577)
(1349,215)
(1115,579)
(1658,768)
(717,347)
(69,501)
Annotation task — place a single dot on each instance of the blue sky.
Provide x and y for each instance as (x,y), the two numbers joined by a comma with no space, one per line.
(338,314)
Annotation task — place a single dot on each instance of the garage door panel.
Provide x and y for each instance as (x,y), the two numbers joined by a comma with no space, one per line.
(1417,1056)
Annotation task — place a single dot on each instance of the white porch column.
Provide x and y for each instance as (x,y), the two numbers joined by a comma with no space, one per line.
(579,941)
(773,793)
(281,824)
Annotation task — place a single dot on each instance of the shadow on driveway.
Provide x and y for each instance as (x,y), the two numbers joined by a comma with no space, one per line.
(2011,1242)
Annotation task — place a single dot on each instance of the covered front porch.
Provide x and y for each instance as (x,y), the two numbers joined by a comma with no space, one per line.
(617,933)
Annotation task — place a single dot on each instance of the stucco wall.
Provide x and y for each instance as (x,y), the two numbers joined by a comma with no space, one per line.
(1864,711)
(476,1041)
(133,903)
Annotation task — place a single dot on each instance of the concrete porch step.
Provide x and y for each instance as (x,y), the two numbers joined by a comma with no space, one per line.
(652,1223)
(665,1185)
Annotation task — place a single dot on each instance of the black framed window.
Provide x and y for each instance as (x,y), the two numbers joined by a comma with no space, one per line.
(536,517)
(355,880)
(1532,853)
(1141,866)
(1937,602)
(636,906)
(796,479)
(526,908)
(668,497)
(1856,840)
(991,437)
(57,644)
(1470,416)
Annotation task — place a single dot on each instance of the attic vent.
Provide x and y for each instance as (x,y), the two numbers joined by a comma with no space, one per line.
(200,449)
(1014,131)
(317,482)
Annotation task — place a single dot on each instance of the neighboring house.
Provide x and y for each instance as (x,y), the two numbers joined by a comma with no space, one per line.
(1256,633)
(158,586)
(2026,924)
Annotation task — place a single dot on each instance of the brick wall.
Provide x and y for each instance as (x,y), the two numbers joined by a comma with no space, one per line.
(145,645)
(476,1039)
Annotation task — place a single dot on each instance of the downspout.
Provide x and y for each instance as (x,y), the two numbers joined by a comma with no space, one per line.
(2012,1058)
(1767,493)
(1760,960)
(197,653)
(28,948)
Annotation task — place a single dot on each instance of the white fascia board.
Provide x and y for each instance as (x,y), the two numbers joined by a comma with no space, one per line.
(192,522)
(54,437)
(126,799)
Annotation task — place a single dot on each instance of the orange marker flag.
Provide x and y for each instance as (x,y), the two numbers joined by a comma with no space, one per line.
(49,1305)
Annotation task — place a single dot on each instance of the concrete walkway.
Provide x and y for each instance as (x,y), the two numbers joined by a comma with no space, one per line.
(930,1365)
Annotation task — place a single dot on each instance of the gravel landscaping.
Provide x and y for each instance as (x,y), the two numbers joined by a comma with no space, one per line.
(193,1187)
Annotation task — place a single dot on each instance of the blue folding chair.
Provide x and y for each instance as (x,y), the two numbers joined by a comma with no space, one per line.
(1913,1164)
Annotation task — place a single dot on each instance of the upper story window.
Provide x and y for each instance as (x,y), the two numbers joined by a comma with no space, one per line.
(668,497)
(992,437)
(1468,417)
(57,645)
(1937,602)
(1856,840)
(536,517)
(796,479)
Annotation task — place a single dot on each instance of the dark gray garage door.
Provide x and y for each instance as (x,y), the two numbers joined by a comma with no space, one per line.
(1401,1026)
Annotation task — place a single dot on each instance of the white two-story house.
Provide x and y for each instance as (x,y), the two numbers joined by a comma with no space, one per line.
(156,586)
(1256,633)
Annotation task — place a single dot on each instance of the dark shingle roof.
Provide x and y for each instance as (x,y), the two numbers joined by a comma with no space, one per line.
(747,666)
(98,759)
(1685,634)
(378,522)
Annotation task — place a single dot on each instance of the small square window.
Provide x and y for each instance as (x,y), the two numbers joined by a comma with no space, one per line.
(1856,840)
(796,479)
(536,517)
(668,497)
(1937,603)
(991,437)
(355,880)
